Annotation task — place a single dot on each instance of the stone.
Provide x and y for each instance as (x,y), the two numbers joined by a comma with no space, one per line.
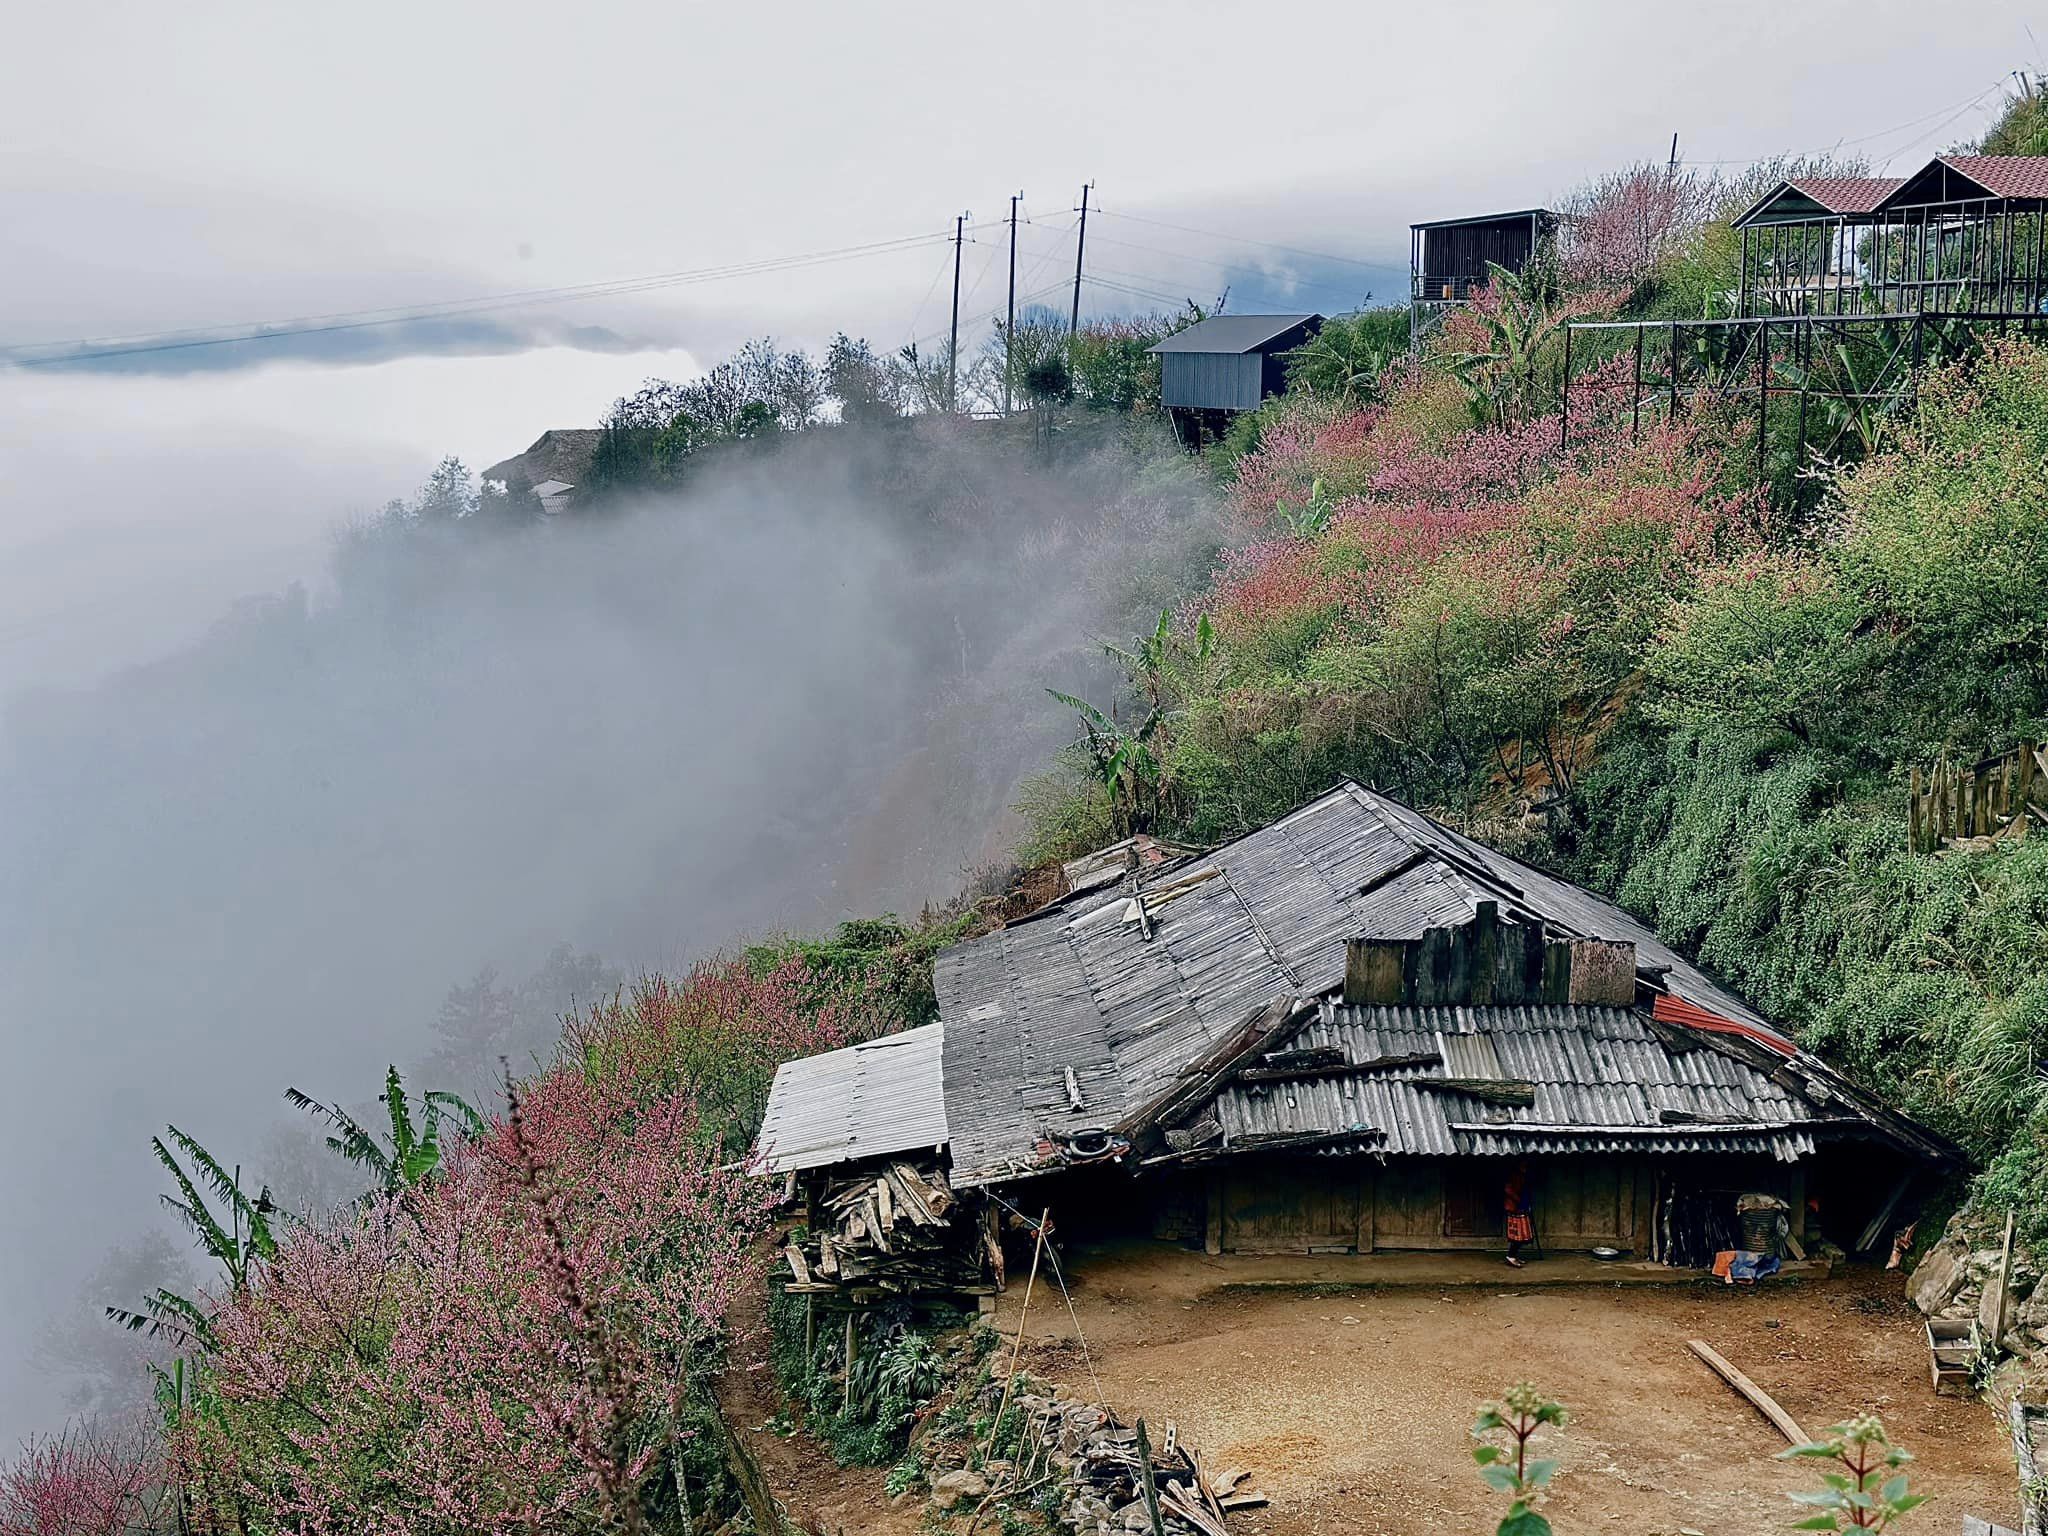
(1940,1276)
(951,1488)
(2033,1313)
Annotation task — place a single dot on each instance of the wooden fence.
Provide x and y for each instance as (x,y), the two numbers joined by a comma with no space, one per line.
(1998,797)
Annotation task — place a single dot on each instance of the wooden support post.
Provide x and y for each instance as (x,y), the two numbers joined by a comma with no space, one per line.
(2004,1281)
(810,1336)
(1016,1349)
(846,1385)
(1148,1485)
(2033,1503)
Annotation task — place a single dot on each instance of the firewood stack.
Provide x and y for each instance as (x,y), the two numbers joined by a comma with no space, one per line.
(1096,1459)
(898,1228)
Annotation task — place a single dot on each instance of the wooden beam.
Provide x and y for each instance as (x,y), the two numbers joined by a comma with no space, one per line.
(2004,1281)
(1882,1219)
(2033,1503)
(1759,1399)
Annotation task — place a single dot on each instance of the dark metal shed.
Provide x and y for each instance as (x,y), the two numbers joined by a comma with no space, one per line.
(1229,362)
(1448,257)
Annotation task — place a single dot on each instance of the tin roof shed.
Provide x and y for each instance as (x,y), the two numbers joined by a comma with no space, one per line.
(1230,362)
(874,1099)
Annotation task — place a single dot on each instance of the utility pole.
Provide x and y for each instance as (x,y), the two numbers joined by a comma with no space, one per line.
(1010,325)
(1080,245)
(953,347)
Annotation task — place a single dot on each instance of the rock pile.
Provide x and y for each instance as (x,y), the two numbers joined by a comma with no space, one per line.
(1958,1279)
(1095,1464)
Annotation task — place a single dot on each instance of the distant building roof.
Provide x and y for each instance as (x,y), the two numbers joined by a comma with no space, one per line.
(2003,175)
(552,488)
(1127,987)
(1517,216)
(869,1100)
(561,453)
(1233,333)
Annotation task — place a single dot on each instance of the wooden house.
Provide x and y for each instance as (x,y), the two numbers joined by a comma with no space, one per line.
(1449,260)
(1341,1032)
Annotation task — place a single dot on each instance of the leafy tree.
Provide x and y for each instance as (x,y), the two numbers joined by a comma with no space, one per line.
(861,381)
(2022,128)
(449,496)
(923,382)
(1345,359)
(408,1153)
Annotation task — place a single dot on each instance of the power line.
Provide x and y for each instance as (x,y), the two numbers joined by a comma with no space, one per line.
(1957,108)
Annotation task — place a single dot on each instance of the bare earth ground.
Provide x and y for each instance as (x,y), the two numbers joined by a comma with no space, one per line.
(818,1494)
(1351,1403)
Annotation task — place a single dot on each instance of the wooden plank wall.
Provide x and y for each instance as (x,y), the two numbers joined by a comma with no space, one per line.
(1356,1206)
(2000,796)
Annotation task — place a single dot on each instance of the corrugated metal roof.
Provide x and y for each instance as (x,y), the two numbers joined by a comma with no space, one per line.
(1603,1081)
(1081,985)
(1232,333)
(1519,215)
(869,1100)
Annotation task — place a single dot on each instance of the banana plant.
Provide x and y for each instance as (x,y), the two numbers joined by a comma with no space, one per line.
(232,1227)
(1123,760)
(1501,372)
(1309,519)
(408,1154)
(1147,663)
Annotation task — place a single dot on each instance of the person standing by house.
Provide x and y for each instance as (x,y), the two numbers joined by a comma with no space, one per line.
(1517,1203)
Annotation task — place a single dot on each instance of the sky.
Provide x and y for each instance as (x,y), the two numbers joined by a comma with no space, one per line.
(233,165)
(168,168)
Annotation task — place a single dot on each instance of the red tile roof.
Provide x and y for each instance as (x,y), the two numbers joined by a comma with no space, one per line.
(1847,194)
(2004,175)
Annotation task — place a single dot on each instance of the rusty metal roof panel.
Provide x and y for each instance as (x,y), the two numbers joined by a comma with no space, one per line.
(869,1100)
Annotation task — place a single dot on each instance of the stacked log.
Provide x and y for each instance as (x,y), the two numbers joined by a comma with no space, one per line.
(895,1228)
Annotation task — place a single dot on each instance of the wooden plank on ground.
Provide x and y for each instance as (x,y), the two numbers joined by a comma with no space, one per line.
(1759,1399)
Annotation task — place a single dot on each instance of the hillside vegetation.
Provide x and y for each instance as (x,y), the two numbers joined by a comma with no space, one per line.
(1607,649)
(1616,654)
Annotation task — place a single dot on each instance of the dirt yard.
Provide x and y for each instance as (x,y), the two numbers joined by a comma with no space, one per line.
(1351,1403)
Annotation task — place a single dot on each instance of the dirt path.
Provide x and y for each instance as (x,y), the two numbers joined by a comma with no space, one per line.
(818,1494)
(1352,1405)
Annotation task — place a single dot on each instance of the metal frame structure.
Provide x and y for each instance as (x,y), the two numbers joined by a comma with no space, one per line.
(1945,239)
(1765,358)
(1847,285)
